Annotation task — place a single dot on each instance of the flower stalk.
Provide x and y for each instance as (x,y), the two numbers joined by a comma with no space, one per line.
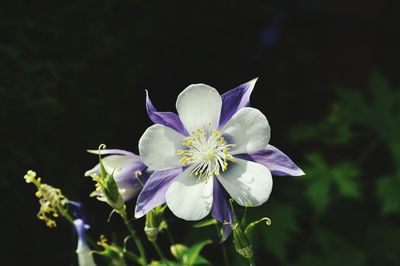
(133,234)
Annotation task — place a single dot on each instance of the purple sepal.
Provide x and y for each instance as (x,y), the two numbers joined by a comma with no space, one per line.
(168,119)
(153,192)
(235,99)
(221,209)
(125,177)
(276,161)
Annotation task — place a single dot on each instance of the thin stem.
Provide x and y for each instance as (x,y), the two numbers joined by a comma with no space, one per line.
(159,252)
(224,253)
(138,243)
(251,261)
(170,238)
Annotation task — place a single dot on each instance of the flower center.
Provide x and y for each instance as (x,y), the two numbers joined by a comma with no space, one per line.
(208,151)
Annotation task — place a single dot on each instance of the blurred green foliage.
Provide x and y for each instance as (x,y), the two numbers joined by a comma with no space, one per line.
(351,170)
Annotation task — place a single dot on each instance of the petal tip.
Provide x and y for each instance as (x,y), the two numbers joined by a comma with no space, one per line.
(92,151)
(139,215)
(253,81)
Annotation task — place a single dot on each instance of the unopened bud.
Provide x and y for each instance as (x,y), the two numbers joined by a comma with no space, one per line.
(155,223)
(242,244)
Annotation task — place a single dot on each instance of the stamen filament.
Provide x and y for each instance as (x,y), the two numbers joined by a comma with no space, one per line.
(208,150)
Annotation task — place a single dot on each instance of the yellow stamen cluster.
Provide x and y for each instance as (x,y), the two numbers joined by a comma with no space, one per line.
(103,241)
(208,151)
(100,183)
(52,201)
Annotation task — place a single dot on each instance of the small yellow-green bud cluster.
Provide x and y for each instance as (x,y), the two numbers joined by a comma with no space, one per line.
(52,201)
(113,253)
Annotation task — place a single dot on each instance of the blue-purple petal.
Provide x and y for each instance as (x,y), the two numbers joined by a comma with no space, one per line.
(125,176)
(168,119)
(130,182)
(221,209)
(275,160)
(235,99)
(153,192)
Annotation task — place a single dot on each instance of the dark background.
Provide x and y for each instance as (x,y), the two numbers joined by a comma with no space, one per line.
(73,75)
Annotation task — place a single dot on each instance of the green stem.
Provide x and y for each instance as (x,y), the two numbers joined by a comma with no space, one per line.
(170,238)
(224,253)
(138,243)
(159,252)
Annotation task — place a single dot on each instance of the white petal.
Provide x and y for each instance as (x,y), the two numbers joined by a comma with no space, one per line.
(188,200)
(248,183)
(198,105)
(94,170)
(117,164)
(248,129)
(158,146)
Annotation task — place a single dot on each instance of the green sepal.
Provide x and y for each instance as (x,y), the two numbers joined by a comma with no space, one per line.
(110,189)
(249,229)
(242,243)
(155,222)
(205,223)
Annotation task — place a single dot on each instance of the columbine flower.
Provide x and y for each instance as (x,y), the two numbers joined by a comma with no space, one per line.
(130,173)
(216,143)
(52,201)
(85,255)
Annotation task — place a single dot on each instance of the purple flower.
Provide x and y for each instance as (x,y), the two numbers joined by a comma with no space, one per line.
(130,173)
(216,144)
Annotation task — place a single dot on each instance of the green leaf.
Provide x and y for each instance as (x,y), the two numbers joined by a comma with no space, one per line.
(178,250)
(333,130)
(332,250)
(193,252)
(381,112)
(324,179)
(344,177)
(388,192)
(190,256)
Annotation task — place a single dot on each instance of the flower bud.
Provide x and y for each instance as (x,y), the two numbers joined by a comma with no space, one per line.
(241,242)
(85,256)
(155,223)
